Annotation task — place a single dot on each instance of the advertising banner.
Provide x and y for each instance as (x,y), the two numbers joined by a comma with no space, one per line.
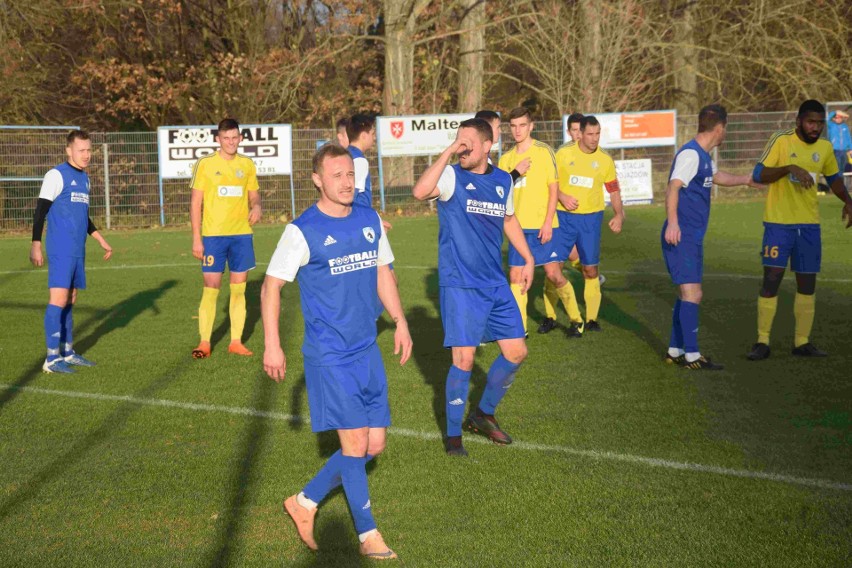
(420,135)
(634,129)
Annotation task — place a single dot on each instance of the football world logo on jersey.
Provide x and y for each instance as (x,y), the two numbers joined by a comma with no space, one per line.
(369,234)
(500,191)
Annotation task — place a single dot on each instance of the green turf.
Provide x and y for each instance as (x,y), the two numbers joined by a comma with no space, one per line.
(112,482)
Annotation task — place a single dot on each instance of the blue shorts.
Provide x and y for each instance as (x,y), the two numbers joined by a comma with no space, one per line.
(684,261)
(237,250)
(354,395)
(583,230)
(66,272)
(800,244)
(542,253)
(473,315)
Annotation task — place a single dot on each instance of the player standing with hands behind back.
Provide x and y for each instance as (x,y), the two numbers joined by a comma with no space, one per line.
(225,195)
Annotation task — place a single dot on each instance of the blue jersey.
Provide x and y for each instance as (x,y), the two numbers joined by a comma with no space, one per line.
(471,211)
(68,218)
(695,168)
(337,262)
(363,185)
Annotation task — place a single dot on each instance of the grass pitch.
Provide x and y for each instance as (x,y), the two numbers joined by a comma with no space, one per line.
(154,459)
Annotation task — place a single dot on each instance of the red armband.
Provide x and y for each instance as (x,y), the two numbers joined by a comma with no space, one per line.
(612,186)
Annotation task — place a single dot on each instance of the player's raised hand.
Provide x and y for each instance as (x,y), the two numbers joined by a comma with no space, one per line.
(615,223)
(35,254)
(845,216)
(274,363)
(402,341)
(673,234)
(802,176)
(197,249)
(523,166)
(545,234)
(255,215)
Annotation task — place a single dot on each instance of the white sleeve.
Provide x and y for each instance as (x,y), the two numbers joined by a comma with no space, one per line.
(447,183)
(385,252)
(362,170)
(510,200)
(715,168)
(51,187)
(291,254)
(685,167)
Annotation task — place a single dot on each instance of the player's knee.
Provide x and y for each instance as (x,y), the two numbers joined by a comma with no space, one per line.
(463,361)
(590,272)
(806,284)
(771,282)
(554,274)
(376,446)
(518,354)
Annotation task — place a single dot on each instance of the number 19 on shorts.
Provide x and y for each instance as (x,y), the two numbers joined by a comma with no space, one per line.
(207,260)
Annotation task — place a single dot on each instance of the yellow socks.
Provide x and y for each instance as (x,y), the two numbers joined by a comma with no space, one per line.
(803,309)
(550,299)
(569,300)
(238,311)
(521,299)
(576,264)
(592,296)
(207,313)
(766,315)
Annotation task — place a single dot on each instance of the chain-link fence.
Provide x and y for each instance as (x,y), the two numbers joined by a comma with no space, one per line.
(124,168)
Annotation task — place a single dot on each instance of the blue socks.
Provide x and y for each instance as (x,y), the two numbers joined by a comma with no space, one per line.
(328,478)
(458,382)
(66,335)
(354,474)
(689,326)
(676,339)
(52,330)
(500,378)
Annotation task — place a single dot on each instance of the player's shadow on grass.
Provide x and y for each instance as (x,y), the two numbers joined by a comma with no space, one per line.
(432,359)
(252,312)
(103,321)
(338,545)
(244,479)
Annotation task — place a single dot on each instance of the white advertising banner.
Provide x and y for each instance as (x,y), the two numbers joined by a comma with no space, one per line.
(634,178)
(634,129)
(420,135)
(270,146)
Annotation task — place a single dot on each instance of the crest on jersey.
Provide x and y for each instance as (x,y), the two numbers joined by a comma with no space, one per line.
(397,128)
(369,234)
(595,165)
(500,191)
(240,174)
(815,157)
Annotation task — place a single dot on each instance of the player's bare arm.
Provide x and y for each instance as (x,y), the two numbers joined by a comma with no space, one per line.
(104,244)
(726,179)
(839,189)
(569,202)
(617,221)
(546,231)
(36,257)
(427,185)
(801,175)
(389,296)
(672,196)
(195,205)
(515,234)
(523,166)
(255,212)
(274,362)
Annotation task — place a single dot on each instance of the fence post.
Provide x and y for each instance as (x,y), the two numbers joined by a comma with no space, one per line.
(716,159)
(106,186)
(292,196)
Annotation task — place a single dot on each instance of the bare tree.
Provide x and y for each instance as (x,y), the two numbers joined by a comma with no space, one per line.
(471,55)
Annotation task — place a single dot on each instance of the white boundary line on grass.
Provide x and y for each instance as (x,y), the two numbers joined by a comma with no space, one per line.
(724,275)
(434,436)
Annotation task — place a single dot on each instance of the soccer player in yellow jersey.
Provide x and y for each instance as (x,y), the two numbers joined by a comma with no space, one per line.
(535,207)
(225,193)
(791,163)
(585,170)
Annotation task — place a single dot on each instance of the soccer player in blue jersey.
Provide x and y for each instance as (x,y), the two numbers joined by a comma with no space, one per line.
(691,180)
(342,137)
(361,132)
(64,202)
(475,208)
(341,254)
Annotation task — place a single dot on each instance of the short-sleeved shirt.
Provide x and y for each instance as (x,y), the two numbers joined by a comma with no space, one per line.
(337,260)
(788,202)
(226,185)
(363,184)
(695,168)
(838,134)
(584,176)
(68,218)
(471,211)
(532,189)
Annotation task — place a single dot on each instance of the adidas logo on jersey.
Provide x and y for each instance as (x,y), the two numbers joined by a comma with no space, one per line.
(470,186)
(73,182)
(329,240)
(793,155)
(456,402)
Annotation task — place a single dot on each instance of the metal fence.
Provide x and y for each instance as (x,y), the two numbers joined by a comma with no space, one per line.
(125,180)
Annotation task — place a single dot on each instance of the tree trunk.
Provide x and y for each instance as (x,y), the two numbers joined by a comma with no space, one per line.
(400,19)
(471,55)
(684,61)
(592,95)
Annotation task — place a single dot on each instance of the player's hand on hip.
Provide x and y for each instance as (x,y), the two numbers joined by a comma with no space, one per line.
(198,250)
(274,363)
(527,276)
(673,234)
(35,254)
(545,234)
(615,223)
(802,176)
(255,214)
(402,342)
(523,166)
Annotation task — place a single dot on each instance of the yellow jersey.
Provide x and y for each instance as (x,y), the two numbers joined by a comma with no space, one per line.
(531,189)
(225,184)
(788,202)
(585,176)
